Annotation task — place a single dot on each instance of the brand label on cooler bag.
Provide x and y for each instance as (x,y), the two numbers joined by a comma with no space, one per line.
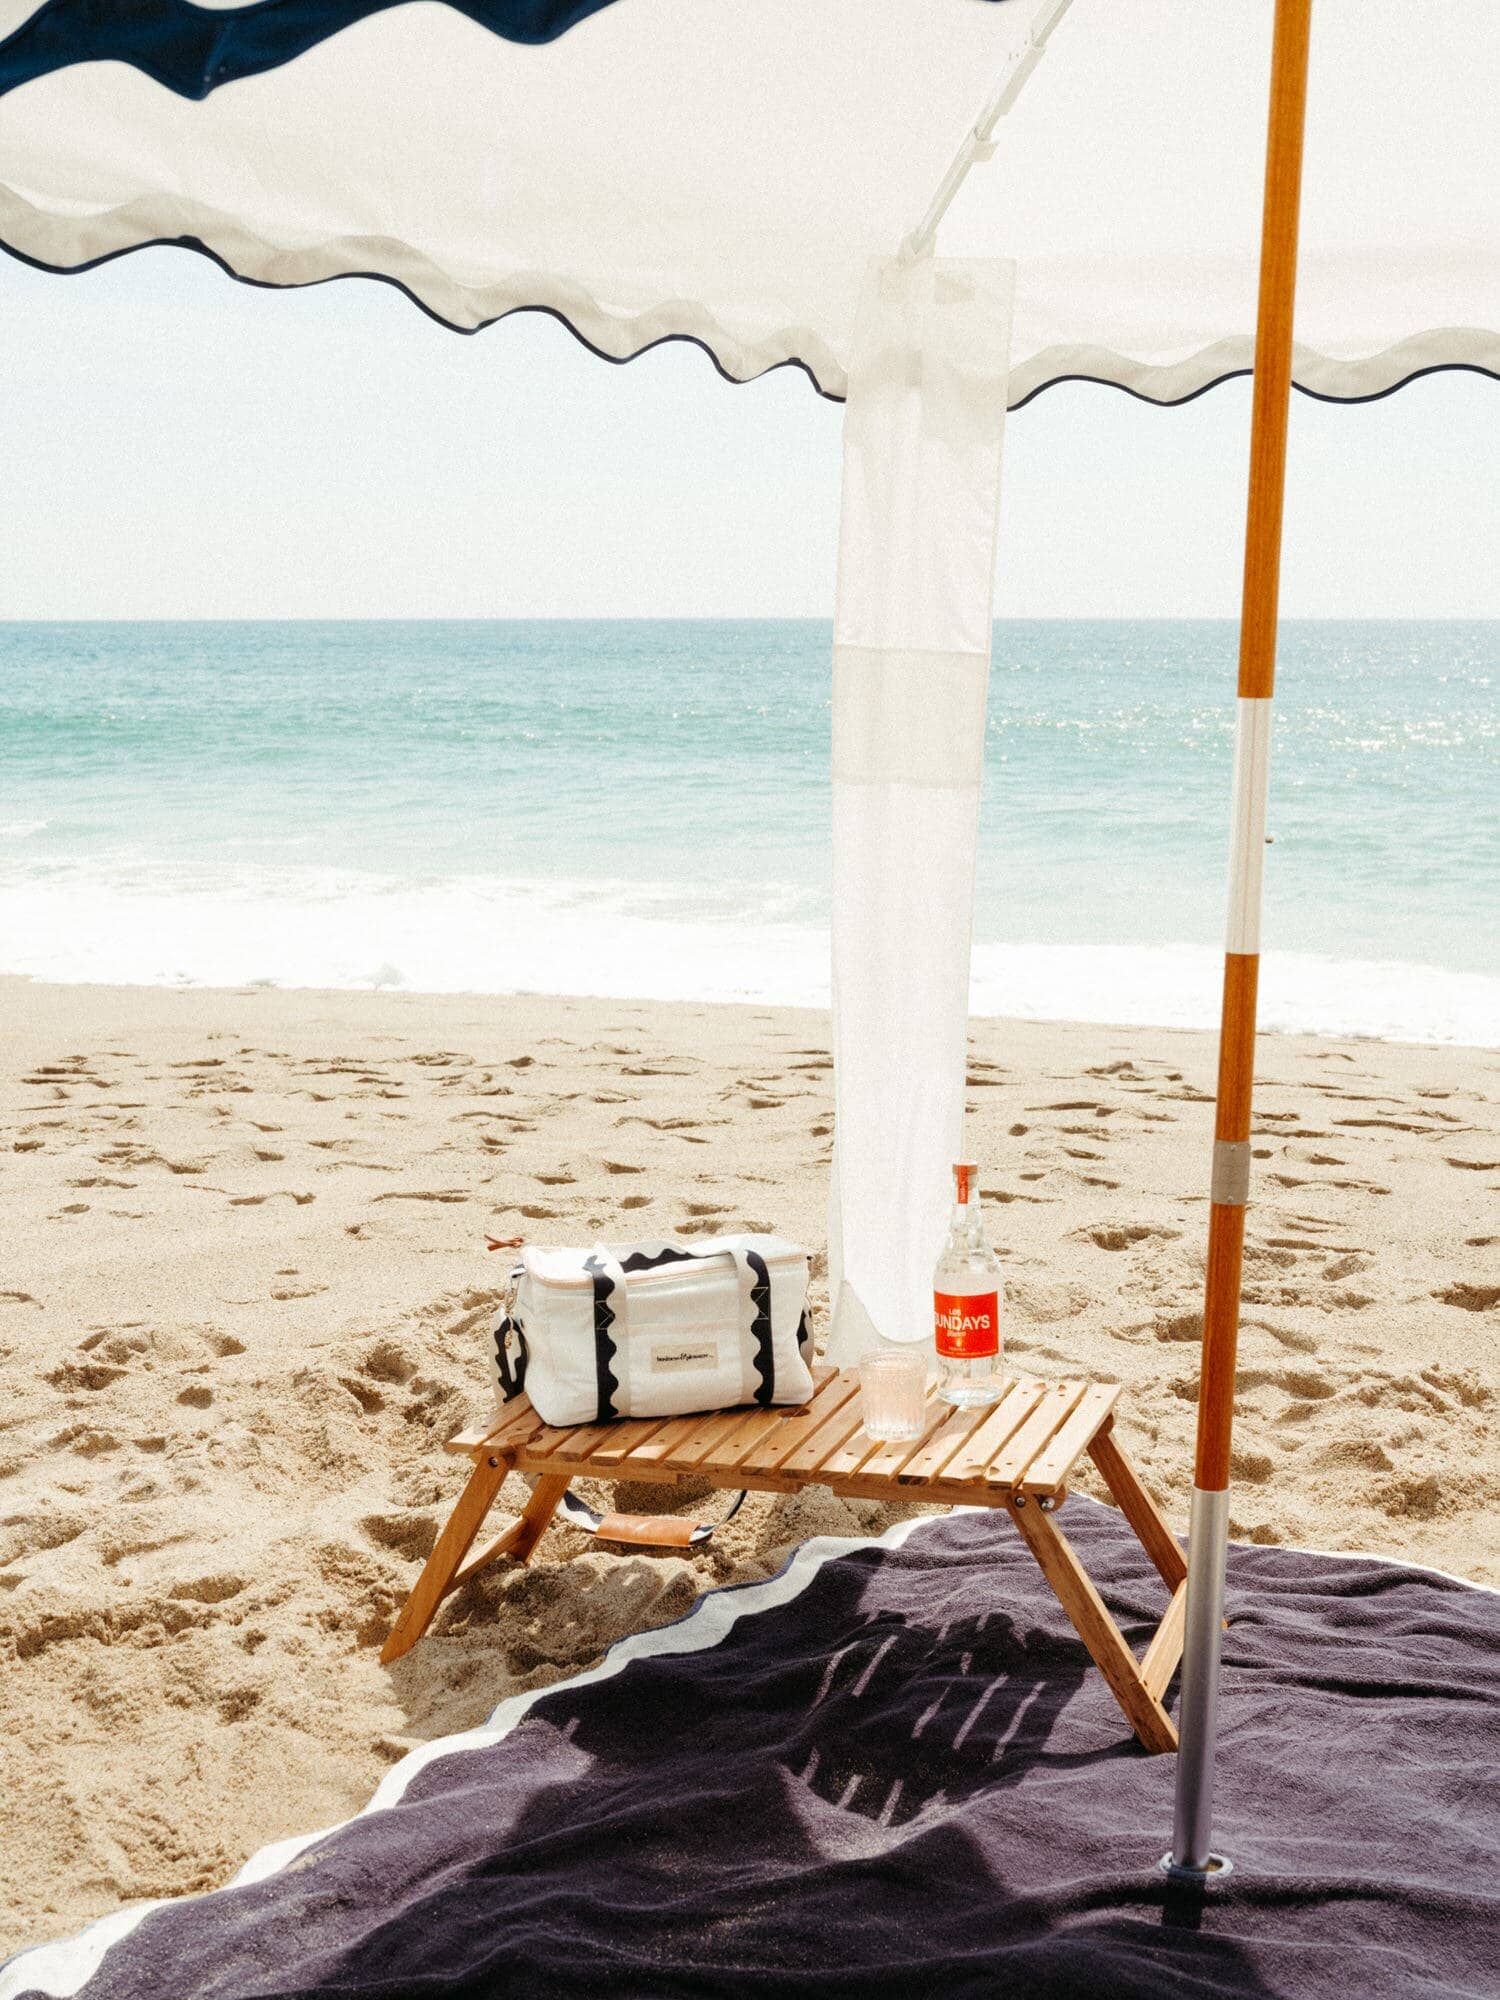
(966,1328)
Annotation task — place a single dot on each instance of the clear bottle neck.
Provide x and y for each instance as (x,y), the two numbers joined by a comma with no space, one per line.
(966,1224)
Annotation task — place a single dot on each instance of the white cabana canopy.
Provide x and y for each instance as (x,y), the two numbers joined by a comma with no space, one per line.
(768,178)
(724,170)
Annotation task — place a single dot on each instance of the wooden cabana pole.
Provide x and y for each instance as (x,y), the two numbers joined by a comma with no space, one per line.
(1229,1191)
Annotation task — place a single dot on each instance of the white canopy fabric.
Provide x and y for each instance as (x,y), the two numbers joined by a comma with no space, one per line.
(724,170)
(923,430)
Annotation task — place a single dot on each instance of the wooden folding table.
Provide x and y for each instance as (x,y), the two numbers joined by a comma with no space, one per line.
(1018,1455)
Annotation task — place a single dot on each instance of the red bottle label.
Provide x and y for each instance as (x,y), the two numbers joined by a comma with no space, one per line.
(966,1328)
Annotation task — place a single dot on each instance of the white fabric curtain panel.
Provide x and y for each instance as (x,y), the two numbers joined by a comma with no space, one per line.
(923,429)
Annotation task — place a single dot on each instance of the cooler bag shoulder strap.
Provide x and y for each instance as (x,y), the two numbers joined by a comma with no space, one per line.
(611,1316)
(647,1531)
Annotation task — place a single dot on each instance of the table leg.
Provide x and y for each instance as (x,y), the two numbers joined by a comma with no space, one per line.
(452,1546)
(1139,1509)
(1093,1623)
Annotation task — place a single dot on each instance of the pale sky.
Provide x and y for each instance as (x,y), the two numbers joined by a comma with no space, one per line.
(173,444)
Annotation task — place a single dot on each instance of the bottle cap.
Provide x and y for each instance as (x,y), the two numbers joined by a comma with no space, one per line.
(963,1178)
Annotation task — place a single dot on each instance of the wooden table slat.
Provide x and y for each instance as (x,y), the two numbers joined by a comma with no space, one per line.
(661,1444)
(803,1461)
(711,1431)
(897,1452)
(1056,1459)
(1007,1466)
(567,1444)
(464,1444)
(976,1451)
(943,1443)
(850,1456)
(754,1427)
(797,1425)
(507,1427)
(626,1439)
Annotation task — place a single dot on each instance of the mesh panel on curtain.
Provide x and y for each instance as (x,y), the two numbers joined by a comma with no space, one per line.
(911,656)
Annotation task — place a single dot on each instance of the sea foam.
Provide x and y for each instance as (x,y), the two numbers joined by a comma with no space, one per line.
(334,929)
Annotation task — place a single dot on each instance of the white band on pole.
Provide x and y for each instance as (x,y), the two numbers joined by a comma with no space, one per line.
(1247,838)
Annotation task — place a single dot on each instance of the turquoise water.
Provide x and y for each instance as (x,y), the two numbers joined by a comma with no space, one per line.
(644,806)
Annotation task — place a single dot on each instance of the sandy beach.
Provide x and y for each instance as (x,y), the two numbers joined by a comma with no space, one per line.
(244,1298)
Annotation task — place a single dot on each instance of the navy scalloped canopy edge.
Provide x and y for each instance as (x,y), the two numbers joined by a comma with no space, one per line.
(192,50)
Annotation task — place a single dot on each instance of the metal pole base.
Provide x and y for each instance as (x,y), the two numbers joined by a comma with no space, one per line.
(1214,1870)
(1197,1718)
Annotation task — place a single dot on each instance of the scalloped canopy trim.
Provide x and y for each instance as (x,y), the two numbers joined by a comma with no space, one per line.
(192,50)
(57,244)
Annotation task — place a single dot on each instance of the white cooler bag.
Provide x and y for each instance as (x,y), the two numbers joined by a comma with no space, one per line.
(656,1329)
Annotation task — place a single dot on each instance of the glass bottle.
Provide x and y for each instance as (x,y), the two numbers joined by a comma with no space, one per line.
(966,1290)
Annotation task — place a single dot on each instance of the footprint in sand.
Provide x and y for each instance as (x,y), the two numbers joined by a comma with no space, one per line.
(1125,1235)
(408,1533)
(1470,1298)
(1306,1386)
(91,1375)
(1180,1326)
(1287,1337)
(389,1361)
(1253,1467)
(371,1402)
(84,1441)
(1346,1267)
(215,1588)
(424,1194)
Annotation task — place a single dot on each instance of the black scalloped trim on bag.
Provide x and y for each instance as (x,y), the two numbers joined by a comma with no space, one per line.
(605,1349)
(510,1373)
(760,1328)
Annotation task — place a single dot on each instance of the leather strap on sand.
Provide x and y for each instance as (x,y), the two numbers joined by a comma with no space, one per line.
(643,1531)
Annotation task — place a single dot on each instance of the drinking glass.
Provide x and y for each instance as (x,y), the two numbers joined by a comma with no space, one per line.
(893,1392)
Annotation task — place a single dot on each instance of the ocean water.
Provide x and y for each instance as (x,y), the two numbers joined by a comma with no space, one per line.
(641,809)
